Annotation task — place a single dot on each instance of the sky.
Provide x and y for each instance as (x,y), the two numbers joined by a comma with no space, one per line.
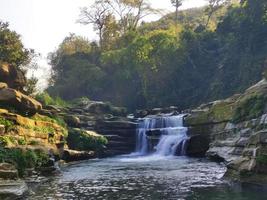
(43,24)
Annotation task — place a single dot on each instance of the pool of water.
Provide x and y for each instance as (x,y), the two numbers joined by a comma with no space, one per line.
(144,178)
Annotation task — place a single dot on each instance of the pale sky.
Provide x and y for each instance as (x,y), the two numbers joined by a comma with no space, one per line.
(43,24)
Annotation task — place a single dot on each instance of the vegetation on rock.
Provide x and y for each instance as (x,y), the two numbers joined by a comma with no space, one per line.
(86,140)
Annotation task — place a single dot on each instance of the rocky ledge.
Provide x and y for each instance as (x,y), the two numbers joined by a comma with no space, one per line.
(236,130)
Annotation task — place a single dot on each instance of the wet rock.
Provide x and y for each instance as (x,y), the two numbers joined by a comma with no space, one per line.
(72,121)
(10,189)
(197,145)
(72,155)
(8,171)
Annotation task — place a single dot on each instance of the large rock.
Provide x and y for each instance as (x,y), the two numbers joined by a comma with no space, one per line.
(10,189)
(8,171)
(20,101)
(12,76)
(72,155)
(197,145)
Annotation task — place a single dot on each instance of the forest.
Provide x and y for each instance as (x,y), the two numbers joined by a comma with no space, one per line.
(186,58)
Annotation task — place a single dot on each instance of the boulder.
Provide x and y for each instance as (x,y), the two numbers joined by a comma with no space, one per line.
(19,100)
(72,155)
(8,171)
(13,189)
(72,121)
(3,85)
(12,76)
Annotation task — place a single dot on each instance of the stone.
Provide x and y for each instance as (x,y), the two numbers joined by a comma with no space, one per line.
(72,155)
(8,171)
(12,76)
(2,129)
(19,101)
(3,85)
(116,124)
(72,121)
(258,138)
(10,189)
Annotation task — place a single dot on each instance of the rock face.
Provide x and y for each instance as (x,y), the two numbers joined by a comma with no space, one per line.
(105,120)
(19,101)
(236,131)
(12,76)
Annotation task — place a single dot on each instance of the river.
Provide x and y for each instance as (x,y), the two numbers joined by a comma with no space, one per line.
(146,178)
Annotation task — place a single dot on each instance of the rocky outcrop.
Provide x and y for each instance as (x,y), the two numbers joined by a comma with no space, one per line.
(103,119)
(236,131)
(19,101)
(12,76)
(72,155)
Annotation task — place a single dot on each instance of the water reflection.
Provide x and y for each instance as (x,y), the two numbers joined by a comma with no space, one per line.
(137,178)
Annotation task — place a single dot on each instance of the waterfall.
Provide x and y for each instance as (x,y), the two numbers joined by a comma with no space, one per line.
(172,139)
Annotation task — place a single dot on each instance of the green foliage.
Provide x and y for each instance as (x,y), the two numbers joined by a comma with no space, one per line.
(23,158)
(9,125)
(249,108)
(82,141)
(46,100)
(7,140)
(161,63)
(12,50)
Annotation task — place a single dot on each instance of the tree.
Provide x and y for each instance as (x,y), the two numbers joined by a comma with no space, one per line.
(213,6)
(96,15)
(177,4)
(12,50)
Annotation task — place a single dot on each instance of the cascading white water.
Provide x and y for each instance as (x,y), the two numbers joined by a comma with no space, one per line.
(173,135)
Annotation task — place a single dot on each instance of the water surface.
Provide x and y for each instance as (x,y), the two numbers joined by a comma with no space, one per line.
(149,178)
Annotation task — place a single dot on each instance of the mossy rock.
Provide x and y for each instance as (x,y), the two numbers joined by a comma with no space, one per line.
(85,140)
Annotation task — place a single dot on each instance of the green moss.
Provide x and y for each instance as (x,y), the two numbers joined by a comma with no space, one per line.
(82,141)
(222,111)
(33,142)
(9,125)
(7,140)
(249,108)
(22,141)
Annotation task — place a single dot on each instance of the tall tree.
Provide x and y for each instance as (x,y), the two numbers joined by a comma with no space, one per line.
(96,15)
(177,4)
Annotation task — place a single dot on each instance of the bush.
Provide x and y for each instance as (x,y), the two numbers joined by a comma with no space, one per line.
(46,100)
(23,158)
(82,141)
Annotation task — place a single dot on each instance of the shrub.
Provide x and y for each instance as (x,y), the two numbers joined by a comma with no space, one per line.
(46,100)
(23,158)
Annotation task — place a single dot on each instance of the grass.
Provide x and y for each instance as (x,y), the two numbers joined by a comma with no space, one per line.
(47,100)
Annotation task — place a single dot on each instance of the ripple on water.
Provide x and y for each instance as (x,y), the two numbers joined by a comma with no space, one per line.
(137,178)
